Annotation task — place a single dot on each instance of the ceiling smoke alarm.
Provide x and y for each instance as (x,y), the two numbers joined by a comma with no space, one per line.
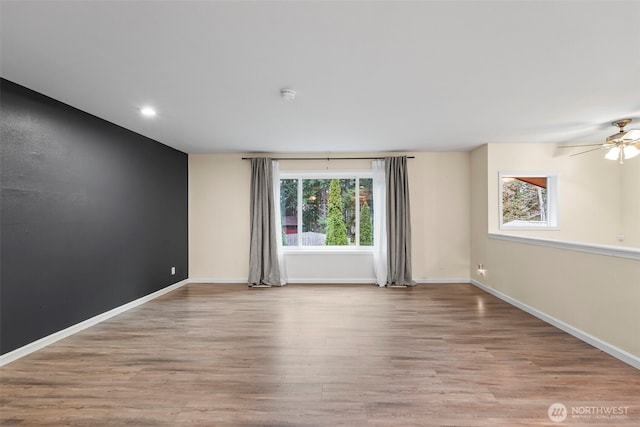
(288,94)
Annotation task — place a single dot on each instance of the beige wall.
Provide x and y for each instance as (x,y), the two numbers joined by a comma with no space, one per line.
(219,213)
(440,215)
(596,294)
(218,216)
(630,191)
(479,208)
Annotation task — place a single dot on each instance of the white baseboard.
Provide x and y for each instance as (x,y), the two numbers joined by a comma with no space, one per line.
(614,351)
(299,280)
(57,336)
(458,280)
(372,281)
(217,280)
(331,281)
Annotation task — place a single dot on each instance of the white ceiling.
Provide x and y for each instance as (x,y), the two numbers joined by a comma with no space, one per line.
(370,76)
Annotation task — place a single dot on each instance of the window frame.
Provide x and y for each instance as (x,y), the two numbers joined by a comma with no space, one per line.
(552,222)
(328,174)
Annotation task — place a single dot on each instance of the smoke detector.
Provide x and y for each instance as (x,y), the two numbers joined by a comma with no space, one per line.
(288,94)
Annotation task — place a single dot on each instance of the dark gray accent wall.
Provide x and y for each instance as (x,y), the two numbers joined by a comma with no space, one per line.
(92,216)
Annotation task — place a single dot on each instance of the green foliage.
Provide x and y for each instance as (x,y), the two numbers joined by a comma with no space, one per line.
(366,232)
(336,228)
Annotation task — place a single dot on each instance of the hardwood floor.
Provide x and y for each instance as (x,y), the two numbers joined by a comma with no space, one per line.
(432,355)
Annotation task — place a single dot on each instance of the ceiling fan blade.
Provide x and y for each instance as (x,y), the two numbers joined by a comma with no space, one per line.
(633,135)
(574,146)
(584,152)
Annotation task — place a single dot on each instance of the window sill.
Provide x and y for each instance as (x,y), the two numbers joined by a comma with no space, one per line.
(613,251)
(529,227)
(320,250)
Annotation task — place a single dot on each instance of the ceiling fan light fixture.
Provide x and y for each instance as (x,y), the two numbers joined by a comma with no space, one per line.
(623,136)
(613,153)
(631,135)
(630,151)
(623,145)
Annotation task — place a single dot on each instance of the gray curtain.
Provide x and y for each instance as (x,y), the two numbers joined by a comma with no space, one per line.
(263,257)
(398,222)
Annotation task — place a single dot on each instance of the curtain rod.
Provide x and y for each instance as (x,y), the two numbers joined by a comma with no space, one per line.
(325,158)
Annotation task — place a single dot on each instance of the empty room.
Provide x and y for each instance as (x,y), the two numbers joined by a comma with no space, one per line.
(319,213)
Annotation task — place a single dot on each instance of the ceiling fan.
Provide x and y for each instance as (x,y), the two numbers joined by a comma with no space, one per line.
(623,145)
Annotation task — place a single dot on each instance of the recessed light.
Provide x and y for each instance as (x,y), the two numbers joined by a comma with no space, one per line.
(147,111)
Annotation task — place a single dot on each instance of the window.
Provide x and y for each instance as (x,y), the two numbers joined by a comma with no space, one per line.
(326,209)
(528,201)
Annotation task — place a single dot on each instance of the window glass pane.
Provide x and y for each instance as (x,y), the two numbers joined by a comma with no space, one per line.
(348,196)
(524,200)
(327,210)
(366,212)
(289,211)
(315,196)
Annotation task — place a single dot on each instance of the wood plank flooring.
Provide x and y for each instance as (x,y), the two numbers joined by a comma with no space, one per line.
(318,355)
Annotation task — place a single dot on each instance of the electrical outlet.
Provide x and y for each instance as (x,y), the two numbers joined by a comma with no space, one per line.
(173,271)
(481,270)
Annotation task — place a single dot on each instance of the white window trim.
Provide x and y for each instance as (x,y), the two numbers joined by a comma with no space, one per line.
(326,174)
(327,249)
(339,174)
(553,218)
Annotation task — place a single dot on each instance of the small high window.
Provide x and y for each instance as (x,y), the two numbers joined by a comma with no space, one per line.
(528,201)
